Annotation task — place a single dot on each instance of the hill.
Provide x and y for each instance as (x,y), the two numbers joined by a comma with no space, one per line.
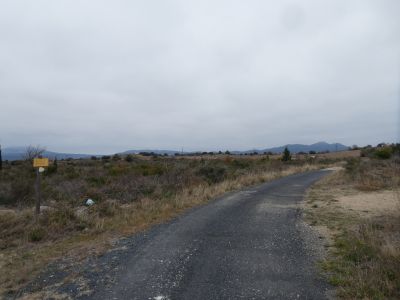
(16,153)
(317,147)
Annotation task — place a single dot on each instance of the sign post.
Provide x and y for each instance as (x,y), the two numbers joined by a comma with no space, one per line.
(39,164)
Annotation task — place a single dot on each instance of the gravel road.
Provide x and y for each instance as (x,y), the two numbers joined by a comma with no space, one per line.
(245,245)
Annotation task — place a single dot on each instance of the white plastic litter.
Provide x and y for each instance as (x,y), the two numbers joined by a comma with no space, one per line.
(89,202)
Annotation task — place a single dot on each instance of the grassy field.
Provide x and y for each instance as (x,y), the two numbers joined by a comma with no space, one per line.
(357,209)
(130,194)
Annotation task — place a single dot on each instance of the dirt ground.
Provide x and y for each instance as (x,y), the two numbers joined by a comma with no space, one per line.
(380,203)
(360,233)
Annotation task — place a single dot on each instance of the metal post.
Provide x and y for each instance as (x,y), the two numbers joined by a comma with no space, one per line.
(38,194)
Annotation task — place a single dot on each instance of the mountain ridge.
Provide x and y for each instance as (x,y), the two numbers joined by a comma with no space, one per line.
(17,153)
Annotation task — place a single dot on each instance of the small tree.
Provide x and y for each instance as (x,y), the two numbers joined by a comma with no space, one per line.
(286,155)
(55,165)
(33,151)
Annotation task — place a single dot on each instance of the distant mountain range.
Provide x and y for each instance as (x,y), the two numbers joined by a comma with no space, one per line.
(294,148)
(317,147)
(16,153)
(160,152)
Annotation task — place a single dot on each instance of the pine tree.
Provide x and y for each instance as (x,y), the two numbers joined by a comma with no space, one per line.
(1,160)
(286,155)
(55,164)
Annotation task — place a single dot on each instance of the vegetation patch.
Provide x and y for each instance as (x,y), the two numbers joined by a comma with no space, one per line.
(363,259)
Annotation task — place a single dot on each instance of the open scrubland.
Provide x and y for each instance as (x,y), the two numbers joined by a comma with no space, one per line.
(357,210)
(130,194)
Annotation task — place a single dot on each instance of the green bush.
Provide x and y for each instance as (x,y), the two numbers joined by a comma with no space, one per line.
(36,234)
(149,169)
(240,163)
(118,170)
(4,200)
(21,189)
(52,168)
(96,180)
(383,153)
(353,164)
(61,216)
(212,174)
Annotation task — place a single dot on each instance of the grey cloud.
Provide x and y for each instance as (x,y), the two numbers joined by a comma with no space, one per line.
(101,76)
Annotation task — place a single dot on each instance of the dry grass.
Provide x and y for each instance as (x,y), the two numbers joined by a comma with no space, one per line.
(363,260)
(69,229)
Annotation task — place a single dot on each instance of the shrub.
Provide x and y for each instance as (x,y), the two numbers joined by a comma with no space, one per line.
(147,153)
(383,153)
(21,189)
(96,180)
(149,169)
(105,209)
(129,158)
(212,174)
(118,170)
(36,234)
(5,200)
(52,168)
(71,172)
(62,216)
(240,163)
(352,165)
(396,149)
(16,162)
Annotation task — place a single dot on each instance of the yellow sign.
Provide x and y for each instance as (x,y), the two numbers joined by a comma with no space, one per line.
(40,162)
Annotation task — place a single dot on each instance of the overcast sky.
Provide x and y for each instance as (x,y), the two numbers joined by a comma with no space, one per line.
(106,76)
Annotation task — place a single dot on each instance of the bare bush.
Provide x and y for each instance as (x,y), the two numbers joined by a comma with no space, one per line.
(32,152)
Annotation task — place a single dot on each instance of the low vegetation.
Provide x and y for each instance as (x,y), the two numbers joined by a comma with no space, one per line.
(130,193)
(357,209)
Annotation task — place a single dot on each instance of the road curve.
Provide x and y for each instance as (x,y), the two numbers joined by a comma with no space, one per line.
(244,245)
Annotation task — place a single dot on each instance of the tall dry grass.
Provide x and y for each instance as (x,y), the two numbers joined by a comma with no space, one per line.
(366,261)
